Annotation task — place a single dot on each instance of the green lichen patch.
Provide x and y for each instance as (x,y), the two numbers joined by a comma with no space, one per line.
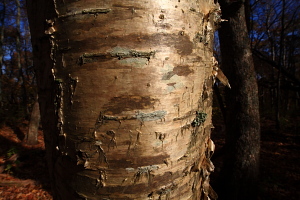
(156,115)
(96,11)
(199,119)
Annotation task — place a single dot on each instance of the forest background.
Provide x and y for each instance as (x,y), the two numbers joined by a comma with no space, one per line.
(274,30)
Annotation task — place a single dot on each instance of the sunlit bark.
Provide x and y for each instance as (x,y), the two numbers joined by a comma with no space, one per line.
(125,94)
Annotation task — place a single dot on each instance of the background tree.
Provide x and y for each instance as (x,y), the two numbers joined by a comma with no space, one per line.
(33,126)
(239,175)
(17,79)
(125,96)
(275,42)
(2,17)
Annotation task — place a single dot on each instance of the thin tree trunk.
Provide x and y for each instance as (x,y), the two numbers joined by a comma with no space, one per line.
(32,135)
(282,65)
(21,79)
(273,55)
(125,97)
(2,18)
(241,164)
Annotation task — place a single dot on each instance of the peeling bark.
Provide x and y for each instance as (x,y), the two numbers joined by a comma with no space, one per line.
(126,87)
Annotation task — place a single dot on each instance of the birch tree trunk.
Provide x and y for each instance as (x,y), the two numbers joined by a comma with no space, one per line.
(125,96)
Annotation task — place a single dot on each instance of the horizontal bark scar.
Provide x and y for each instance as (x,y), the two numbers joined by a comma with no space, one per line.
(117,105)
(156,115)
(96,11)
(117,52)
(183,70)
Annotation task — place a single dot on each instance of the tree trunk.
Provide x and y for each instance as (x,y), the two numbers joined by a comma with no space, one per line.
(282,65)
(2,19)
(125,97)
(32,135)
(21,79)
(241,164)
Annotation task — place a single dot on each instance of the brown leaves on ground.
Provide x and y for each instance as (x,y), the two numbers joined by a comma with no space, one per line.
(13,188)
(280,164)
(279,159)
(24,172)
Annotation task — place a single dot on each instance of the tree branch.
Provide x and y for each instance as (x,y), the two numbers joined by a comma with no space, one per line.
(276,65)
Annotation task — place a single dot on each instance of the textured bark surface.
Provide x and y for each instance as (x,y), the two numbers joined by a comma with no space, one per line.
(33,127)
(125,93)
(241,164)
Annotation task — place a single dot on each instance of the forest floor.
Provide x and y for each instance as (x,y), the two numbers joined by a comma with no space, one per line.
(279,158)
(24,176)
(23,169)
